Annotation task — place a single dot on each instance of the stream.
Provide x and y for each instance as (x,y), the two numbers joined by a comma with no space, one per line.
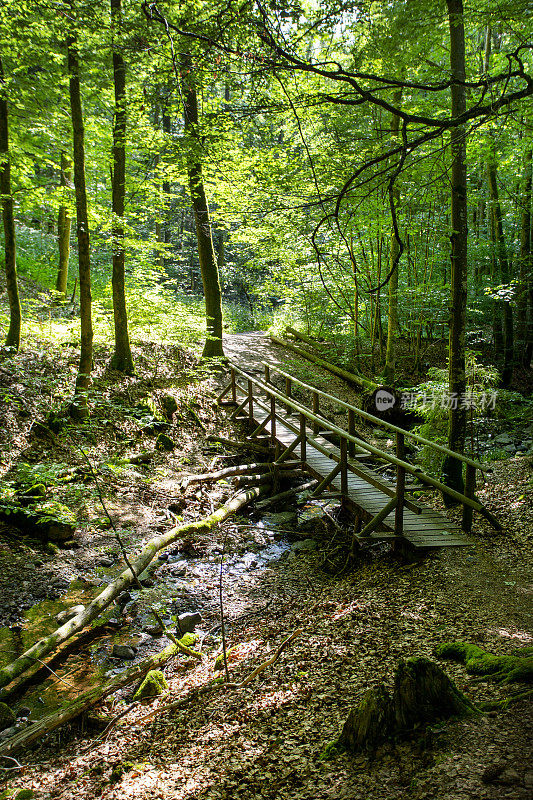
(176,582)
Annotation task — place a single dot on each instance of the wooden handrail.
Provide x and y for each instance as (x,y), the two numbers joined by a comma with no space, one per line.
(389,425)
(324,423)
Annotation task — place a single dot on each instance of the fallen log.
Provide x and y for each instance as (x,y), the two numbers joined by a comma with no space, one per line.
(248,445)
(278,498)
(240,469)
(85,701)
(49,643)
(266,477)
(303,337)
(351,377)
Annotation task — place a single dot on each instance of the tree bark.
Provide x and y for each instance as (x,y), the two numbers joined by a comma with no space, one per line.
(452,468)
(15,316)
(206,251)
(122,359)
(392,321)
(63,228)
(79,407)
(499,242)
(524,315)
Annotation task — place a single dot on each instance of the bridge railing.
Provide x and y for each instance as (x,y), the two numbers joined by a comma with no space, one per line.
(244,398)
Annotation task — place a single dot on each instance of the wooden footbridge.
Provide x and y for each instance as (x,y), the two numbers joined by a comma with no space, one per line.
(345,463)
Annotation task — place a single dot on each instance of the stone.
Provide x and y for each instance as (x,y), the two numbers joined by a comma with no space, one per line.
(169,405)
(7,717)
(283,518)
(153,630)
(178,570)
(312,518)
(147,583)
(153,685)
(162,557)
(23,711)
(69,613)
(105,561)
(305,545)
(189,621)
(123,598)
(7,733)
(123,652)
(164,442)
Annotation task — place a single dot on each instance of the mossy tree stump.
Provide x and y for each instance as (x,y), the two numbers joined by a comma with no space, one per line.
(422,694)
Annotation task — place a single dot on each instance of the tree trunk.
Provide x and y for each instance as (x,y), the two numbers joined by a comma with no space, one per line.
(63,228)
(452,468)
(499,241)
(392,326)
(525,279)
(13,334)
(206,251)
(79,407)
(122,359)
(166,232)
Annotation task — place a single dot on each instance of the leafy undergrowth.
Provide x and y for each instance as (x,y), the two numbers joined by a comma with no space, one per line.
(267,738)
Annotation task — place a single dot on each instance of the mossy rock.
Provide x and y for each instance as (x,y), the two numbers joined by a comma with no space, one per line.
(24,794)
(189,640)
(7,717)
(153,685)
(219,660)
(169,405)
(50,520)
(508,668)
(32,495)
(119,770)
(164,442)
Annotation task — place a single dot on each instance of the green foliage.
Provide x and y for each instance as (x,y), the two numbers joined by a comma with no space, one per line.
(432,404)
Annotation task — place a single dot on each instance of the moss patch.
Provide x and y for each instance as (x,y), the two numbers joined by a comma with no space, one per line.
(7,717)
(507,669)
(153,685)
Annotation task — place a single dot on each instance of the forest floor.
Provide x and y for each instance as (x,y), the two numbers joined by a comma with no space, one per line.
(267,738)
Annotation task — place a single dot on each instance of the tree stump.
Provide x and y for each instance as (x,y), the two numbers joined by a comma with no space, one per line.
(422,694)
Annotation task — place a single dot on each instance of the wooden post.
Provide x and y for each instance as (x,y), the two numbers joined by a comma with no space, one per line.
(351,431)
(250,399)
(344,468)
(273,419)
(316,410)
(303,443)
(267,373)
(233,386)
(400,485)
(470,487)
(288,392)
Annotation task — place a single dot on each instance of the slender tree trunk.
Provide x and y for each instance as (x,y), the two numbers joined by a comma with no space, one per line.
(392,326)
(206,251)
(523,328)
(10,252)
(452,468)
(166,195)
(63,228)
(122,359)
(508,346)
(79,407)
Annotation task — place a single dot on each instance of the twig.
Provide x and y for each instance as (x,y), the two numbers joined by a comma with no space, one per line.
(214,687)
(59,678)
(271,660)
(10,758)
